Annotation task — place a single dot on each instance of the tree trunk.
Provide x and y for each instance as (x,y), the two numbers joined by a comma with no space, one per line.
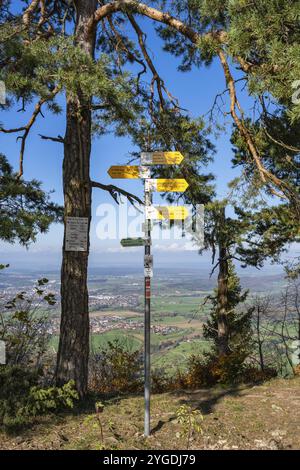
(223,330)
(73,351)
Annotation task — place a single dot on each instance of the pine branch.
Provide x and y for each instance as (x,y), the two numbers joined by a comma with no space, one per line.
(116,192)
(29,11)
(160,84)
(266,176)
(131,56)
(27,128)
(58,139)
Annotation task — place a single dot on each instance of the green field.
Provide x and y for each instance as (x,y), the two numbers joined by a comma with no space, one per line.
(188,306)
(101,341)
(169,349)
(176,358)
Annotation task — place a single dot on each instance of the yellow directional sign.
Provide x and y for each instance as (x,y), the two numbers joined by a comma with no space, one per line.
(161,158)
(166,213)
(128,172)
(162,185)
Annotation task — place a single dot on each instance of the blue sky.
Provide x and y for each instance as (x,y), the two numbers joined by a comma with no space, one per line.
(196,91)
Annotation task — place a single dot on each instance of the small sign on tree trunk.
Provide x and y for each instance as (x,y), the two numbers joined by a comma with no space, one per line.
(76,234)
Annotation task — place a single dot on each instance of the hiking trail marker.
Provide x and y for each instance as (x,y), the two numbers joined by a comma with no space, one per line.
(161,158)
(133,242)
(166,213)
(152,213)
(163,185)
(129,172)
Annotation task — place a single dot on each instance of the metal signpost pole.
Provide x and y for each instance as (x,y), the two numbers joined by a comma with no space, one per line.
(147,326)
(151,213)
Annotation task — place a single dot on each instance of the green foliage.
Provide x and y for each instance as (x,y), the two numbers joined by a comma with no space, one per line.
(24,322)
(239,322)
(264,33)
(210,370)
(267,32)
(263,37)
(43,400)
(116,368)
(25,209)
(270,231)
(190,137)
(15,385)
(21,398)
(251,236)
(189,420)
(56,62)
(277,140)
(95,422)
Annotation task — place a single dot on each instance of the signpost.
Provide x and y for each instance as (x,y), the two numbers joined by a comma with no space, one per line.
(166,213)
(151,213)
(132,242)
(129,172)
(163,185)
(161,158)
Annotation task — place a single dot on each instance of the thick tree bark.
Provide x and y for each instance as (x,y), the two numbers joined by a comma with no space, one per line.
(73,352)
(223,277)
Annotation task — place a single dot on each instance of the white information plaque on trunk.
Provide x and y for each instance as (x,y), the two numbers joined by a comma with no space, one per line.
(76,233)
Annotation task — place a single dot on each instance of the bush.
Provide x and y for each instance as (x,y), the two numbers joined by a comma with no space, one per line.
(21,397)
(23,327)
(116,368)
(208,371)
(199,373)
(43,400)
(254,375)
(161,382)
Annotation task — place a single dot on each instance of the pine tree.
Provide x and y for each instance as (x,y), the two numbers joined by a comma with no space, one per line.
(238,318)
(247,239)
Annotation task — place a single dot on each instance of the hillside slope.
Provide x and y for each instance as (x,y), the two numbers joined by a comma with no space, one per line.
(259,417)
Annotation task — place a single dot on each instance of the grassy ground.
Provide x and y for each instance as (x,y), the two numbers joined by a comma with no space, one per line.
(259,417)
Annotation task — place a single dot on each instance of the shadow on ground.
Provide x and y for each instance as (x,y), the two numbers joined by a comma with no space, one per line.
(203,400)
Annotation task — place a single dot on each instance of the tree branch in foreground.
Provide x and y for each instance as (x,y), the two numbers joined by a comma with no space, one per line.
(116,192)
(58,139)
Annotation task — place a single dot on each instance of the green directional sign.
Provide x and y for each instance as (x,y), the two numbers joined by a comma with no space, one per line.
(130,242)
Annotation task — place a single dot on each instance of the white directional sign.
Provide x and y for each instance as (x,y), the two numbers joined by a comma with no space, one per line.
(166,185)
(161,158)
(76,233)
(168,213)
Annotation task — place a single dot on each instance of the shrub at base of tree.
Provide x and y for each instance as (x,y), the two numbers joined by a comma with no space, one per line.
(21,398)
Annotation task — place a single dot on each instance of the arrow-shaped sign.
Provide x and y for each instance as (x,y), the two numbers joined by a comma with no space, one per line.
(161,158)
(130,242)
(162,185)
(129,172)
(166,213)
